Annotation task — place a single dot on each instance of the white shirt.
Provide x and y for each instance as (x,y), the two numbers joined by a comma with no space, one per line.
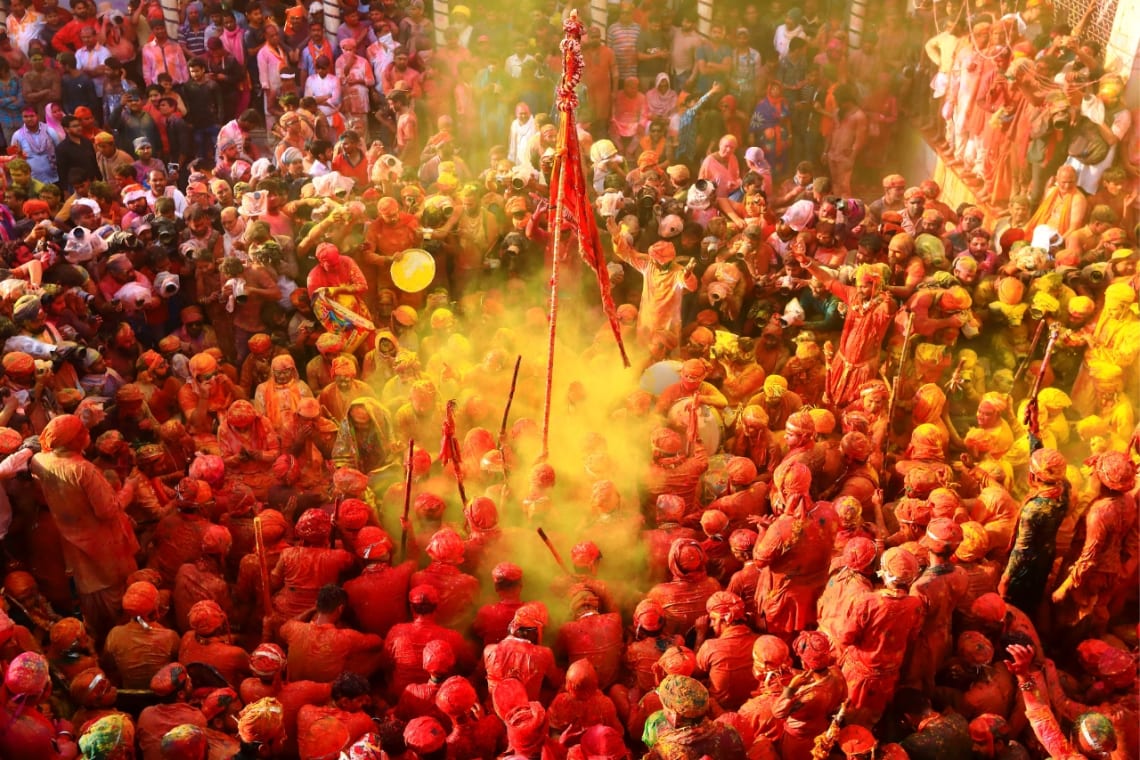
(89,60)
(174,194)
(317,86)
(783,38)
(520,137)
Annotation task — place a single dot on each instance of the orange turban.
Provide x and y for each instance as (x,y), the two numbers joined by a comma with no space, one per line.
(61,432)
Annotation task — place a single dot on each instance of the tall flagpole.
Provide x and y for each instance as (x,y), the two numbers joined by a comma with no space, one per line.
(567,100)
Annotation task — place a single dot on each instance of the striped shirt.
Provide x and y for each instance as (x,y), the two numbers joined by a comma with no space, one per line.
(622,39)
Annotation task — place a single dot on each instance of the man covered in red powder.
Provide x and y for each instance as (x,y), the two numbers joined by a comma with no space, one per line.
(377,597)
(876,637)
(684,597)
(98,543)
(796,552)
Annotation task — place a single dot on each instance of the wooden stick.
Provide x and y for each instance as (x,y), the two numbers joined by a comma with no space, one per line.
(555,227)
(407,501)
(550,545)
(262,565)
(510,400)
(452,445)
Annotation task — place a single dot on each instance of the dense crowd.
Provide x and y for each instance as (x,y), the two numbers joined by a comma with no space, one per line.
(293,464)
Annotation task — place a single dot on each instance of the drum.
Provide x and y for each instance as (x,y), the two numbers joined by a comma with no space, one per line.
(338,318)
(660,376)
(413,270)
(710,427)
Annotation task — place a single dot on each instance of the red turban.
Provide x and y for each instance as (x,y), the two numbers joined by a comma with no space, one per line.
(241,414)
(666,441)
(216,540)
(530,615)
(206,617)
(795,479)
(989,608)
(169,679)
(217,701)
(1115,471)
(581,678)
(446,546)
(429,506)
(725,605)
(742,540)
(353,514)
(456,696)
(10,440)
(262,721)
(202,364)
(713,522)
(1047,465)
(859,553)
(27,674)
(438,657)
(813,649)
(740,470)
(274,526)
(686,558)
(350,481)
(649,615)
(425,594)
(62,431)
(975,648)
(585,553)
(373,543)
(140,599)
(506,572)
(800,422)
(899,565)
(770,652)
(267,660)
(18,363)
(260,343)
(66,632)
(856,446)
(481,513)
(670,508)
(209,467)
(314,525)
(185,742)
(676,660)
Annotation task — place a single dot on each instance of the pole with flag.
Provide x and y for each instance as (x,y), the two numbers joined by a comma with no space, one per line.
(569,203)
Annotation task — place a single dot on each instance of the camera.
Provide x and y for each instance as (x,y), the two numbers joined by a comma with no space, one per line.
(518,184)
(167,284)
(237,286)
(1095,274)
(646,198)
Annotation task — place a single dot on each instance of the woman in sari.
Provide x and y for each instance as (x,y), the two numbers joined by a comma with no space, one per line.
(365,443)
(248,446)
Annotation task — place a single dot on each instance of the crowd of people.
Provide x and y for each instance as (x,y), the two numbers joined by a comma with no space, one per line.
(286,468)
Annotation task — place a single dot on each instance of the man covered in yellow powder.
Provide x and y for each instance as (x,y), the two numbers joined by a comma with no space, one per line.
(1115,340)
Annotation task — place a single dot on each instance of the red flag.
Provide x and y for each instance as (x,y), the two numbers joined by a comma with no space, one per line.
(568,181)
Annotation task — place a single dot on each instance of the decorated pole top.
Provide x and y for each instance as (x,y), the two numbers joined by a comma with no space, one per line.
(572,63)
